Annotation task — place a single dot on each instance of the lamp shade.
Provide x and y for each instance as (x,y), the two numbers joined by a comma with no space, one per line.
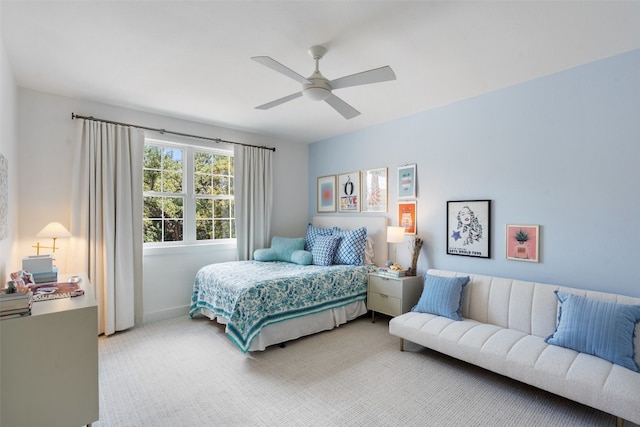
(54,230)
(395,234)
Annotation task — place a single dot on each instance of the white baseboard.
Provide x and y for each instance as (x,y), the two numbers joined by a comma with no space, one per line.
(166,314)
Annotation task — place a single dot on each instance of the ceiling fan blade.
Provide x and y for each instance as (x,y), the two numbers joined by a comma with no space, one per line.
(276,66)
(376,75)
(347,111)
(277,102)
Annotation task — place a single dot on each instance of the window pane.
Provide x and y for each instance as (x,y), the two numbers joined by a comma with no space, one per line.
(172,182)
(172,159)
(152,230)
(202,184)
(220,185)
(221,165)
(173,207)
(204,208)
(151,180)
(152,207)
(173,230)
(152,157)
(221,229)
(204,229)
(221,209)
(203,163)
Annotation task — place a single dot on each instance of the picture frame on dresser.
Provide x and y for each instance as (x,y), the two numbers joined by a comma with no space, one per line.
(469,228)
(326,193)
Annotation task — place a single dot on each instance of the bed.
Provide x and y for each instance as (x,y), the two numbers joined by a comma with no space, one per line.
(267,303)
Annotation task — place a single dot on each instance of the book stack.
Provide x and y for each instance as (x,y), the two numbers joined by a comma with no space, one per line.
(15,304)
(385,271)
(45,277)
(41,268)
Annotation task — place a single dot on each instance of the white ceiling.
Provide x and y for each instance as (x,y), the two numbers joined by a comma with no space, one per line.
(191,60)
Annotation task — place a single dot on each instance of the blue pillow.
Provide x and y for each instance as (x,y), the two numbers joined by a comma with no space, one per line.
(302,257)
(351,248)
(601,328)
(313,232)
(324,249)
(442,296)
(282,249)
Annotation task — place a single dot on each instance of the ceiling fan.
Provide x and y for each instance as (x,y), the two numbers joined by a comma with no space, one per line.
(319,88)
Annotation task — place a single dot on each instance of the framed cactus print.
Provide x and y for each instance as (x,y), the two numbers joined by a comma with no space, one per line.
(523,242)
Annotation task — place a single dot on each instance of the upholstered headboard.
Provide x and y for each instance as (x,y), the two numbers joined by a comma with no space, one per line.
(376,229)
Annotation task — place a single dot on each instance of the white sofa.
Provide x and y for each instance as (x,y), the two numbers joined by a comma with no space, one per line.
(505,323)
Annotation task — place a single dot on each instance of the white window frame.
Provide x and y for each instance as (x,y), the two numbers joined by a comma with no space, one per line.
(188,185)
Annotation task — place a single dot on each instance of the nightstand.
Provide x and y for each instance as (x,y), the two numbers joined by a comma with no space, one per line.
(392,295)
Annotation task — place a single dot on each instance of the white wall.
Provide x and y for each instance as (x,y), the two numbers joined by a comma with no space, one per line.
(46,137)
(8,148)
(560,151)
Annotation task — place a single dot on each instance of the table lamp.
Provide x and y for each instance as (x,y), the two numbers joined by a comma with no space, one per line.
(53,230)
(395,235)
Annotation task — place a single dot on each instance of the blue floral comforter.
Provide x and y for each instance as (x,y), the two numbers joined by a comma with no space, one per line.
(253,294)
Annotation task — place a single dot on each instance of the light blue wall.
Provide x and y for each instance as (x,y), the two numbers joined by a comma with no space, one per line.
(561,151)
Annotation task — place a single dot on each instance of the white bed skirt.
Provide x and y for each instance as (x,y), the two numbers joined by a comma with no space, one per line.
(291,329)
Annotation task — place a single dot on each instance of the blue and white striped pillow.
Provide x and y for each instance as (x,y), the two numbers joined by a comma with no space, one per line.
(324,249)
(601,328)
(351,248)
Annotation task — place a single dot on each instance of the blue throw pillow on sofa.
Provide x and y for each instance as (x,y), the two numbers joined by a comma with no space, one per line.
(601,328)
(442,296)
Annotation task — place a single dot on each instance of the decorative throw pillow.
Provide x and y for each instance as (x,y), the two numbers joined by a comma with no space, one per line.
(351,248)
(313,232)
(282,249)
(442,296)
(601,328)
(324,249)
(302,257)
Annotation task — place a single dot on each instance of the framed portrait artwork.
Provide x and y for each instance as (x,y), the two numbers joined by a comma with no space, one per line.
(469,228)
(327,193)
(374,190)
(407,182)
(523,242)
(407,216)
(349,192)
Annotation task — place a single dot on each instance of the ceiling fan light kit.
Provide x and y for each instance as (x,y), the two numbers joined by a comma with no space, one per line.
(318,88)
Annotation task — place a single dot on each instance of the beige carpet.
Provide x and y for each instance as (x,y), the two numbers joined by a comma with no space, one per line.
(186,372)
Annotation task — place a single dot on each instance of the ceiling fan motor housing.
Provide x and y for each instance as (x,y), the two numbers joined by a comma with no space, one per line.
(318,89)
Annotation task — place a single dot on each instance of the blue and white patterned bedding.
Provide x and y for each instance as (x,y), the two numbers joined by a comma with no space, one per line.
(253,294)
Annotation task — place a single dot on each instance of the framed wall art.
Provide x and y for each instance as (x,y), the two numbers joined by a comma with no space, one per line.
(407,182)
(523,242)
(469,228)
(349,192)
(374,190)
(407,216)
(327,193)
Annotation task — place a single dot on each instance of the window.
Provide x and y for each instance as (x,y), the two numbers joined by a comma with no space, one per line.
(188,194)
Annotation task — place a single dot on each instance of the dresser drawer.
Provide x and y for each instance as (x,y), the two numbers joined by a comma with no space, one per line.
(386,286)
(384,304)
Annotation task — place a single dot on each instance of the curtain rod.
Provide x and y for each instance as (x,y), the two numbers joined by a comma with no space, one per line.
(216,140)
